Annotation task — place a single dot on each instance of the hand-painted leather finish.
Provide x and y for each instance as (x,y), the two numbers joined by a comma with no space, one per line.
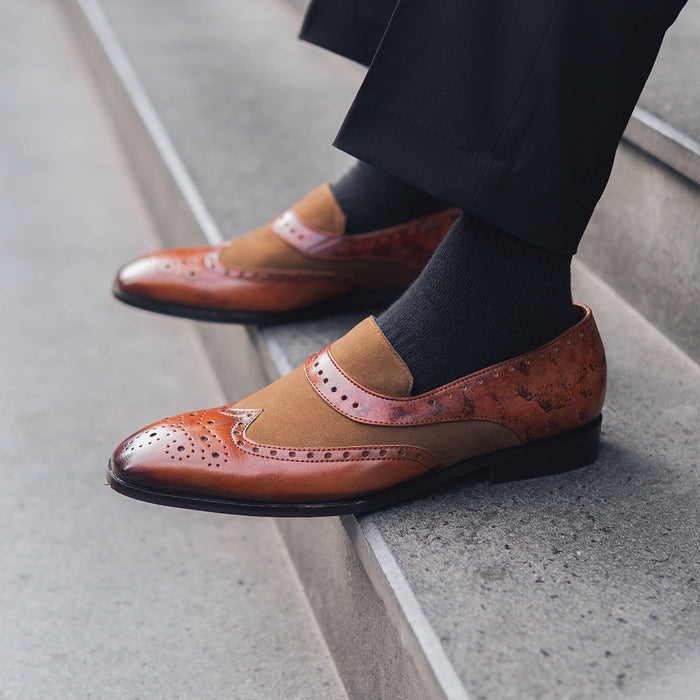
(550,390)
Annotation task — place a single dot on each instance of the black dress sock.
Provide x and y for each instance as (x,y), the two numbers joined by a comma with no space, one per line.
(484,297)
(372,200)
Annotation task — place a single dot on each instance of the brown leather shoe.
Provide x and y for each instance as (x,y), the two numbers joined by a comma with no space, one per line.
(300,265)
(342,434)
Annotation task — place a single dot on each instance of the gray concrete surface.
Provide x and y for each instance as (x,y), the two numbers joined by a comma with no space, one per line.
(644,239)
(251,110)
(585,584)
(673,90)
(101,596)
(579,585)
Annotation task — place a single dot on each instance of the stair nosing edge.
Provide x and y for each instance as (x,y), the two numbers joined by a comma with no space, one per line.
(435,669)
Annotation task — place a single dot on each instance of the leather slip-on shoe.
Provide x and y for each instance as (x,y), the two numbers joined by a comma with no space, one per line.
(300,265)
(342,433)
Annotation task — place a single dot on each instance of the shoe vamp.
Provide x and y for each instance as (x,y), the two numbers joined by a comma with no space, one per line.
(286,444)
(263,249)
(293,416)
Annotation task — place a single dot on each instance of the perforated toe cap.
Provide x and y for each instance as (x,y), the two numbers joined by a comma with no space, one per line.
(182,450)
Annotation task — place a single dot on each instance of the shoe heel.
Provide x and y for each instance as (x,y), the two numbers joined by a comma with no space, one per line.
(560,453)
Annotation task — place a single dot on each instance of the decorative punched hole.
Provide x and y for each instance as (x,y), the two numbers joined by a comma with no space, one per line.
(527,361)
(328,455)
(292,454)
(356,405)
(256,449)
(316,364)
(210,422)
(511,368)
(568,341)
(479,380)
(236,432)
(556,348)
(320,372)
(181,449)
(495,373)
(343,398)
(325,380)
(580,334)
(152,435)
(365,453)
(215,455)
(309,455)
(346,454)
(240,443)
(431,402)
(448,395)
(334,388)
(192,273)
(273,452)
(204,438)
(382,453)
(402,452)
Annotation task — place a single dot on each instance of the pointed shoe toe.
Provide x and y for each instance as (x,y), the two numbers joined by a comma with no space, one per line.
(343,434)
(300,265)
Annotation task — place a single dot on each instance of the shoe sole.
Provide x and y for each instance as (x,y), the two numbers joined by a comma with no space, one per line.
(554,455)
(376,300)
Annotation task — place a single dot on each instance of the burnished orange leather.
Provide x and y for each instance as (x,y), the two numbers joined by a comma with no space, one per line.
(319,435)
(289,264)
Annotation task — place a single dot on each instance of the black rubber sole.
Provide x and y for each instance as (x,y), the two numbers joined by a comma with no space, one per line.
(374,300)
(557,454)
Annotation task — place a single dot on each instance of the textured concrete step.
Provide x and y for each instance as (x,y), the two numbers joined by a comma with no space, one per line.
(101,597)
(644,238)
(579,585)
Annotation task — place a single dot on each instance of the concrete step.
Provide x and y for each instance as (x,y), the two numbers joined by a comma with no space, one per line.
(101,598)
(579,585)
(644,238)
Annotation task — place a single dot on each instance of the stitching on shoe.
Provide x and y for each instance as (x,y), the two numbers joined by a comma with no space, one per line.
(524,431)
(245,414)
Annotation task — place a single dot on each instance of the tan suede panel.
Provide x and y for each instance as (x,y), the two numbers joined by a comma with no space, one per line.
(368,357)
(264,250)
(319,209)
(294,416)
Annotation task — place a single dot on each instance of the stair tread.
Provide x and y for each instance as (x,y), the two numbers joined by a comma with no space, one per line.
(672,92)
(579,584)
(104,597)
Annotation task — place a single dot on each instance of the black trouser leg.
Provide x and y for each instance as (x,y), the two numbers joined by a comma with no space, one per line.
(350,28)
(511,110)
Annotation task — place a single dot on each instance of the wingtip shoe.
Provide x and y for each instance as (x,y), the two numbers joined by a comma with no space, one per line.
(342,433)
(300,265)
